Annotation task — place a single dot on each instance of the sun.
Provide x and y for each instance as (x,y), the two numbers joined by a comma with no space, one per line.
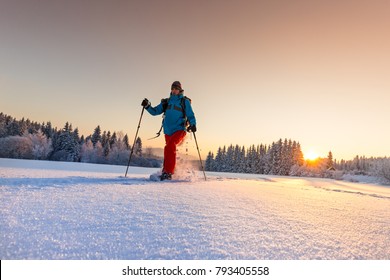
(311,155)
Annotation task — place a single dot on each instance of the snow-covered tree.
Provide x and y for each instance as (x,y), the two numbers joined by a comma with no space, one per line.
(220,159)
(106,149)
(286,158)
(65,145)
(229,160)
(16,147)
(209,164)
(297,154)
(88,152)
(138,147)
(279,158)
(96,136)
(381,168)
(126,141)
(47,130)
(329,161)
(40,145)
(119,154)
(113,140)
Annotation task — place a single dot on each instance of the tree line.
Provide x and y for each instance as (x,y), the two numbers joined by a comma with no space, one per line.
(25,139)
(285,157)
(279,158)
(361,165)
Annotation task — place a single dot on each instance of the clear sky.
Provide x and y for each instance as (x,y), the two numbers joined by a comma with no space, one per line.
(256,71)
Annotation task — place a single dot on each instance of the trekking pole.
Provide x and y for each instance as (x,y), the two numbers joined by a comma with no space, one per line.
(200,159)
(135,139)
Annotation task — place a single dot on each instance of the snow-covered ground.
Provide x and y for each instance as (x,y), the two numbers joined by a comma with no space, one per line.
(57,210)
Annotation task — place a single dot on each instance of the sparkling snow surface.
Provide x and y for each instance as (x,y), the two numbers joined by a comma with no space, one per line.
(56,210)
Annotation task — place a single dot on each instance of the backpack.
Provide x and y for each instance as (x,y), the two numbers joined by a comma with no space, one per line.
(164,103)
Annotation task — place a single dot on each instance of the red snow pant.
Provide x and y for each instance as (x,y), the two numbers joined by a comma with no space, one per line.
(171,141)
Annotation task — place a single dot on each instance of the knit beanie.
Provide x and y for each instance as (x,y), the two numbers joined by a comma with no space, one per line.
(177,85)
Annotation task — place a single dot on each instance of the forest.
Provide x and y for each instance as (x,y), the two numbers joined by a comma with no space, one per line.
(285,158)
(25,139)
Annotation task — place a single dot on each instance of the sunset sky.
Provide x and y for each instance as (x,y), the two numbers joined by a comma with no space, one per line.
(313,71)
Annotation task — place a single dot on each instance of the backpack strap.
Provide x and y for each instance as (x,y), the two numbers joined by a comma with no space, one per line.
(164,103)
(183,106)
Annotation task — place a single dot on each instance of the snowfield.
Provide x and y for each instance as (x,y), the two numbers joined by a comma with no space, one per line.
(58,210)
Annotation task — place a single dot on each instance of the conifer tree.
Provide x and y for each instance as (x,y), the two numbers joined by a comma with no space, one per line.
(104,139)
(113,139)
(126,142)
(96,136)
(106,149)
(76,135)
(14,129)
(138,147)
(65,145)
(209,162)
(219,159)
(262,159)
(47,130)
(229,159)
(297,154)
(241,159)
(329,161)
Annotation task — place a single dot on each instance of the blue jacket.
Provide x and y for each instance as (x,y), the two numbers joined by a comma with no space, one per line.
(174,117)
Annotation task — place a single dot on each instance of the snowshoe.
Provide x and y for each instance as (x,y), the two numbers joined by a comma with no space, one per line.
(166,176)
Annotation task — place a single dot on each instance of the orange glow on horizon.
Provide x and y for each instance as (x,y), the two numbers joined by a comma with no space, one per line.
(311,155)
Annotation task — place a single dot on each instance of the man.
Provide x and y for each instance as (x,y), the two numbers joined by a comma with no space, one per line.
(179,117)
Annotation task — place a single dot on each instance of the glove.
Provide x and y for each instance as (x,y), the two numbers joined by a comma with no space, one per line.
(192,128)
(145,103)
